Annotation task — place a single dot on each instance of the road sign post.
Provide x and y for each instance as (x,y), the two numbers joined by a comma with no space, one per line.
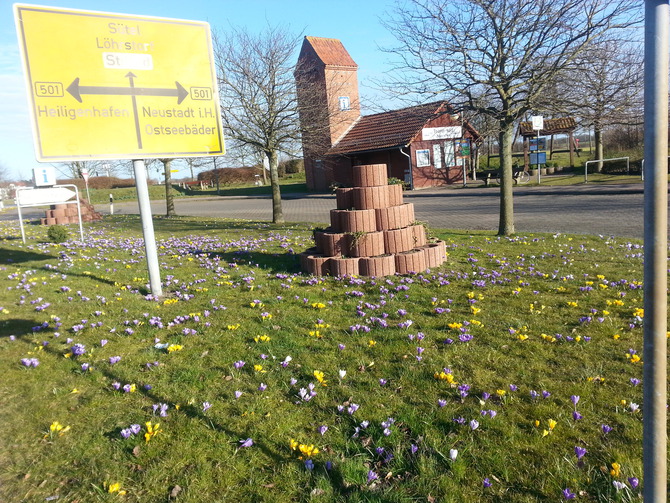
(147,227)
(115,86)
(84,175)
(538,125)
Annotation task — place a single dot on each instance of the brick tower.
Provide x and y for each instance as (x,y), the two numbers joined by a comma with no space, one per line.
(328,102)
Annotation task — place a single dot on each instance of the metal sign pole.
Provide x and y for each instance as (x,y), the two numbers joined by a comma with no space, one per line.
(18,207)
(654,437)
(147,227)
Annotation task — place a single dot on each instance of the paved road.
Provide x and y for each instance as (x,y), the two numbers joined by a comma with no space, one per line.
(615,210)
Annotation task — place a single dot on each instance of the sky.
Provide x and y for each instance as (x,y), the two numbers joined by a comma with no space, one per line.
(356,23)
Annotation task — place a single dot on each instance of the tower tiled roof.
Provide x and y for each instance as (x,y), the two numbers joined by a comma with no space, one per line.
(331,51)
(385,130)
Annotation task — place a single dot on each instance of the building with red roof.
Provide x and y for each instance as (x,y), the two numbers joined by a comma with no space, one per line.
(424,145)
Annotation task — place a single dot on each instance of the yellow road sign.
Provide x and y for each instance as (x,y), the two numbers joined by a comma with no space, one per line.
(116,86)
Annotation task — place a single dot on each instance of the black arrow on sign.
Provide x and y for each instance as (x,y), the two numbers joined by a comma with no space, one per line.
(77,90)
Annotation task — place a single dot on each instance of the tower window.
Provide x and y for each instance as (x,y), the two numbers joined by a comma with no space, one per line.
(344,103)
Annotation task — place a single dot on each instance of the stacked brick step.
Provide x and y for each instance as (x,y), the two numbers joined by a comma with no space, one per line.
(372,232)
(61,214)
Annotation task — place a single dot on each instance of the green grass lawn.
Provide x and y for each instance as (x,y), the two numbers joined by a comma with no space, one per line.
(294,183)
(510,374)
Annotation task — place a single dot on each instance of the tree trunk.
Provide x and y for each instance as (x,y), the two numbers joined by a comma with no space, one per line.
(169,198)
(598,135)
(277,213)
(506,222)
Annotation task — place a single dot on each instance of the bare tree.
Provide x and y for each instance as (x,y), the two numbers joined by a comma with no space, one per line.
(502,53)
(608,90)
(195,163)
(258,97)
(75,169)
(169,196)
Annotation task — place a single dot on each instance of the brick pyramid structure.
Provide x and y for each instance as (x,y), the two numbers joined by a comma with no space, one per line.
(372,232)
(61,214)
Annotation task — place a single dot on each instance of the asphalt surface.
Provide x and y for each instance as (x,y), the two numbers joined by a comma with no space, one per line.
(610,210)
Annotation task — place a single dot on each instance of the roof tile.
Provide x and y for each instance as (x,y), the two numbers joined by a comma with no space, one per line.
(386,130)
(331,51)
(551,126)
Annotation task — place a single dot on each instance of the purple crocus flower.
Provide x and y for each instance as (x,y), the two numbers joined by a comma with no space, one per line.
(576,416)
(322,429)
(606,428)
(372,476)
(206,406)
(114,359)
(474,424)
(574,399)
(568,494)
(486,482)
(579,452)
(309,464)
(634,482)
(246,443)
(78,349)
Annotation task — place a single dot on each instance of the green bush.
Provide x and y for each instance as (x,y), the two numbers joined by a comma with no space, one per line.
(58,233)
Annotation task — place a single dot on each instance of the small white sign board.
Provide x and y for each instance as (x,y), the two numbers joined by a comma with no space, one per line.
(44,176)
(538,122)
(441,133)
(39,197)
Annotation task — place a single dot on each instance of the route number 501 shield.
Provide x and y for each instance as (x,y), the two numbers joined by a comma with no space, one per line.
(116,86)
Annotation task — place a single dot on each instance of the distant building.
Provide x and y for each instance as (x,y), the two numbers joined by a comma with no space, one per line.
(425,145)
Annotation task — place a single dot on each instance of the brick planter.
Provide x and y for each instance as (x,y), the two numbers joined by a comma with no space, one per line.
(410,262)
(418,235)
(372,232)
(315,264)
(344,198)
(365,245)
(333,243)
(398,240)
(344,266)
(358,221)
(394,217)
(435,254)
(336,219)
(383,265)
(370,175)
(395,194)
(368,198)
